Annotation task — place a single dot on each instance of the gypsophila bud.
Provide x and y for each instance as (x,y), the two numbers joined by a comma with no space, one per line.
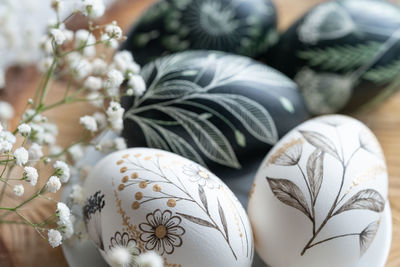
(114,31)
(54,237)
(62,170)
(6,111)
(119,143)
(114,79)
(89,123)
(18,190)
(24,129)
(21,156)
(93,8)
(31,175)
(93,83)
(77,196)
(63,213)
(76,152)
(58,36)
(35,151)
(53,184)
(138,85)
(119,256)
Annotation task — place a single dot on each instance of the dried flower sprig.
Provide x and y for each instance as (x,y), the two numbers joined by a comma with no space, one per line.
(78,58)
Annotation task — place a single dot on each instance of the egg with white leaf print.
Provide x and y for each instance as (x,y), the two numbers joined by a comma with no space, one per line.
(320,197)
(153,200)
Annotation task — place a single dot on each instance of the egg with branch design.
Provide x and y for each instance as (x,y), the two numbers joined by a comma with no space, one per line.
(320,197)
(153,200)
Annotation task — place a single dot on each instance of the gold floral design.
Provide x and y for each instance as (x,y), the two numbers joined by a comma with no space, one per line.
(200,175)
(162,231)
(124,240)
(288,154)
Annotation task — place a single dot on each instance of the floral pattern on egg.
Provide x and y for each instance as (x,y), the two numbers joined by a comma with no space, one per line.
(163,200)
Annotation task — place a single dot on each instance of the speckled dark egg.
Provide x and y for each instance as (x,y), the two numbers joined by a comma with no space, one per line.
(218,109)
(343,54)
(245,27)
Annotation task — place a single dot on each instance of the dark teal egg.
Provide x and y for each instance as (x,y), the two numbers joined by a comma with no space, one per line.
(344,55)
(245,27)
(221,110)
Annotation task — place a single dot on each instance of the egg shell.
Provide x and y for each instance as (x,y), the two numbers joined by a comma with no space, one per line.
(237,26)
(344,55)
(336,163)
(221,110)
(160,201)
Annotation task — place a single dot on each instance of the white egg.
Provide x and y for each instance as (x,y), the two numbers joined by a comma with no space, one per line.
(156,200)
(320,197)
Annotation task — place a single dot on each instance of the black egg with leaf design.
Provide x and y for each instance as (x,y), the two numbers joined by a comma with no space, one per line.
(343,54)
(237,26)
(221,110)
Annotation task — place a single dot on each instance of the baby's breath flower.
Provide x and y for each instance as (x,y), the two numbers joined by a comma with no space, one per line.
(58,36)
(67,229)
(81,68)
(62,170)
(35,151)
(95,99)
(119,143)
(84,38)
(53,184)
(18,190)
(5,146)
(56,5)
(21,156)
(76,152)
(150,259)
(37,133)
(119,256)
(6,111)
(99,66)
(100,119)
(54,237)
(31,175)
(30,114)
(24,129)
(45,64)
(112,43)
(69,35)
(77,195)
(114,31)
(46,45)
(138,85)
(89,123)
(114,79)
(115,113)
(93,8)
(63,213)
(93,83)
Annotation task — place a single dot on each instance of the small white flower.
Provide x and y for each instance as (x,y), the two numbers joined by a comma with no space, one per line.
(99,66)
(76,152)
(46,45)
(18,190)
(81,68)
(89,123)
(93,8)
(54,237)
(77,196)
(24,129)
(119,256)
(115,113)
(45,64)
(84,38)
(53,184)
(62,170)
(106,145)
(21,156)
(69,35)
(122,60)
(7,136)
(57,5)
(67,229)
(6,111)
(95,99)
(129,92)
(35,151)
(31,115)
(31,175)
(114,31)
(63,213)
(5,146)
(112,43)
(101,119)
(138,85)
(150,259)
(119,143)
(58,36)
(93,83)
(114,79)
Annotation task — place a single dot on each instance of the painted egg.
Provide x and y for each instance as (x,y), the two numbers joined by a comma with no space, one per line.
(153,200)
(344,55)
(320,197)
(218,109)
(236,26)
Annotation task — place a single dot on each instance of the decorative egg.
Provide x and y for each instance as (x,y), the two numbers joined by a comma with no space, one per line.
(236,26)
(344,55)
(218,109)
(320,197)
(153,200)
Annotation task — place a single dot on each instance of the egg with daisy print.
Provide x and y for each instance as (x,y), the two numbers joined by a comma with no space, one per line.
(146,199)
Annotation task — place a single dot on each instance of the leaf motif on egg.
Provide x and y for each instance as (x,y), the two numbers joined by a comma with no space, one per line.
(291,194)
(180,96)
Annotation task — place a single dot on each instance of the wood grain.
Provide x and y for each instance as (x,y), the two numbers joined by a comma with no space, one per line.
(21,246)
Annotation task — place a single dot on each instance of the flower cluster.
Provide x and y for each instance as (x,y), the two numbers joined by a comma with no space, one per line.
(78,58)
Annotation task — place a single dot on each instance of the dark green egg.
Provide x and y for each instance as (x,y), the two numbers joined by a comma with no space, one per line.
(344,55)
(219,109)
(245,27)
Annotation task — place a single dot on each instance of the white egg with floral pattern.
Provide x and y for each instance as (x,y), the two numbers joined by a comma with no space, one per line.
(320,197)
(153,200)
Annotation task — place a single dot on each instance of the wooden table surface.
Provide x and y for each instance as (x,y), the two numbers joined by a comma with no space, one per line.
(21,246)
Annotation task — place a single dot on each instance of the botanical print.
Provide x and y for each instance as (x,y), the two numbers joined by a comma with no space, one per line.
(174,81)
(313,175)
(163,229)
(210,25)
(124,240)
(92,217)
